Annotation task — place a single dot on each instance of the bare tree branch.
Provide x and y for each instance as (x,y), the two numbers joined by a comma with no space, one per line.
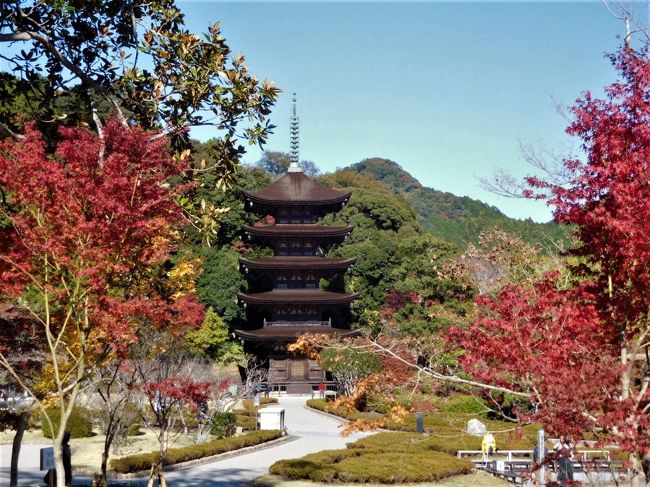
(76,70)
(11,132)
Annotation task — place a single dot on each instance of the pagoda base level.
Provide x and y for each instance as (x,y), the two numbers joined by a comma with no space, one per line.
(296,375)
(300,387)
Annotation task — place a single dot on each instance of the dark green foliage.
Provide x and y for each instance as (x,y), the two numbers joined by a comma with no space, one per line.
(212,341)
(143,461)
(220,282)
(388,172)
(383,458)
(453,218)
(465,405)
(224,425)
(395,260)
(79,424)
(380,219)
(277,163)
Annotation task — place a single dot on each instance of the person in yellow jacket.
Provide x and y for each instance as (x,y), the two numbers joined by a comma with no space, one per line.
(488,445)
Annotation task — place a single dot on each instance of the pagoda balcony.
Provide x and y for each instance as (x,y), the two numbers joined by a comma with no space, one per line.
(289,333)
(308,323)
(297,263)
(297,297)
(299,231)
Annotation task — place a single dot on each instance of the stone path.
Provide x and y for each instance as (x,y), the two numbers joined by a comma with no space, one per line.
(316,432)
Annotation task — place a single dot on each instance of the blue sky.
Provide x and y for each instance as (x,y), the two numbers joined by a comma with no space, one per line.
(447,90)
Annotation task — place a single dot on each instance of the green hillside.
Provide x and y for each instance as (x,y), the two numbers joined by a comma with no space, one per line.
(455,218)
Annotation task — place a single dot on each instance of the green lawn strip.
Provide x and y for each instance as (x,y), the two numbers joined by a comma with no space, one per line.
(143,461)
(374,459)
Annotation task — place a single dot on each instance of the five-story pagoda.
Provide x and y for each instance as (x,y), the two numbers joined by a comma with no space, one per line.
(285,299)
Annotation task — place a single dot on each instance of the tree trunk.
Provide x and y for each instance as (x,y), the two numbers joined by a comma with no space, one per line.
(58,462)
(157,473)
(21,426)
(108,441)
(635,470)
(104,465)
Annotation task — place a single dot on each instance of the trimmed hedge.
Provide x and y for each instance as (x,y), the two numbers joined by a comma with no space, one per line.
(247,416)
(414,467)
(143,461)
(247,422)
(79,424)
(374,459)
(248,403)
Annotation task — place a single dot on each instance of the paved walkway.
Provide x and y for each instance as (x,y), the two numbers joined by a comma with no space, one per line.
(316,432)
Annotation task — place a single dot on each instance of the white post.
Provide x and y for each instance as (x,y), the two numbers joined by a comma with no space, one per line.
(540,455)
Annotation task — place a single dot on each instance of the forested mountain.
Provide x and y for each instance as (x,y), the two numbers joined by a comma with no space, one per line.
(459,219)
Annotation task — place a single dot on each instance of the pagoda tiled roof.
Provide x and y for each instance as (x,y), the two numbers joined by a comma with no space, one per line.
(297,188)
(298,296)
(296,230)
(284,333)
(298,263)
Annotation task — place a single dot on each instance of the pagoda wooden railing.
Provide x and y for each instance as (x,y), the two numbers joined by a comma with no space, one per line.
(298,323)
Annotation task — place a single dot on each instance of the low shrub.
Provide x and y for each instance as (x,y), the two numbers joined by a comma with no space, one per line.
(247,422)
(374,459)
(143,461)
(248,403)
(413,467)
(320,404)
(79,423)
(315,466)
(135,430)
(395,442)
(247,416)
(328,407)
(245,412)
(464,405)
(303,469)
(224,425)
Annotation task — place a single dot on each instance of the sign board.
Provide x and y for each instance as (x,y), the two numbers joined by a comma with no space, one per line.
(47,458)
(500,465)
(256,399)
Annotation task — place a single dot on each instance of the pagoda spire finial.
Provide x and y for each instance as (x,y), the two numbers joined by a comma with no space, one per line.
(295,141)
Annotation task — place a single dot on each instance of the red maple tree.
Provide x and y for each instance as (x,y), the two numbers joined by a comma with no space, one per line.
(83,237)
(582,352)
